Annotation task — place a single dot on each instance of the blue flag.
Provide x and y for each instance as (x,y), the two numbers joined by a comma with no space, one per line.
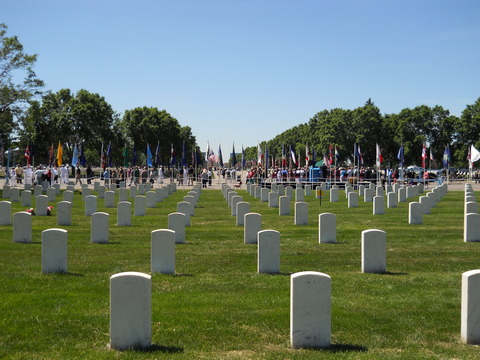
(400,156)
(75,156)
(82,158)
(109,154)
(446,156)
(220,157)
(234,157)
(157,154)
(149,156)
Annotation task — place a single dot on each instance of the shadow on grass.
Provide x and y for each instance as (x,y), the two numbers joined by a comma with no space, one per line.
(339,348)
(163,349)
(393,273)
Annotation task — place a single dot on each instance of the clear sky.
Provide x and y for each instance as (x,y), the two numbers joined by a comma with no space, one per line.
(244,71)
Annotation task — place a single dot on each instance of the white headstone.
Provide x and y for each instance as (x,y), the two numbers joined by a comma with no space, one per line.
(374,251)
(470,309)
(86,192)
(176,222)
(327,228)
(54,251)
(109,199)
(308,190)
(368,195)
(410,192)
(242,209)
(415,213)
(185,208)
(234,201)
(268,260)
(68,196)
(299,195)
(392,201)
(378,205)
(264,194)
(26,198)
(361,190)
(151,199)
(273,199)
(101,191)
(6,191)
(15,194)
(289,191)
(130,311)
(163,251)
(301,213)
(122,194)
(253,224)
(64,213)
(5,213)
(471,207)
(471,228)
(425,201)
(90,205)
(38,190)
(192,200)
(133,191)
(284,205)
(124,213)
(22,227)
(402,195)
(41,204)
(140,206)
(333,195)
(99,228)
(310,310)
(352,199)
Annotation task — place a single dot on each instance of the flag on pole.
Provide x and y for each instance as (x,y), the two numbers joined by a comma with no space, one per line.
(266,158)
(400,156)
(292,154)
(51,155)
(7,169)
(157,153)
(173,159)
(59,154)
(149,156)
(359,156)
(446,156)
(234,156)
(307,154)
(243,158)
(424,155)
(330,152)
(337,155)
(284,157)
(431,155)
(27,155)
(259,155)
(109,154)
(220,157)
(474,154)
(184,159)
(379,156)
(207,152)
(75,156)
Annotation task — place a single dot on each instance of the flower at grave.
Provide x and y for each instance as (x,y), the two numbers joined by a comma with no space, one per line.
(49,210)
(31,211)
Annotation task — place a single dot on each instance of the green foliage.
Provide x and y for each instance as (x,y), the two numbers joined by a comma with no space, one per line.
(14,94)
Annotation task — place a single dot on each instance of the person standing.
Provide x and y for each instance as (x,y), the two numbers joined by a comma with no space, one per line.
(78,175)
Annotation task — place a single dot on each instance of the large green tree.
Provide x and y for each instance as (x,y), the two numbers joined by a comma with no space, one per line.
(18,83)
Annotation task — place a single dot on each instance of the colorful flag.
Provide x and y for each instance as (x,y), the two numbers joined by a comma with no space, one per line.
(184,159)
(59,154)
(307,154)
(400,156)
(207,152)
(337,155)
(330,151)
(359,156)
(446,156)
(284,157)
(27,155)
(149,156)
(424,155)
(292,154)
(259,155)
(173,159)
(379,156)
(51,155)
(220,157)
(75,156)
(266,158)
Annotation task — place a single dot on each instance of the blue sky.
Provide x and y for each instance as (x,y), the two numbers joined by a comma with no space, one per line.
(245,71)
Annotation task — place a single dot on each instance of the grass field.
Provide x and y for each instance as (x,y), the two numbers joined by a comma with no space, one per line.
(217,306)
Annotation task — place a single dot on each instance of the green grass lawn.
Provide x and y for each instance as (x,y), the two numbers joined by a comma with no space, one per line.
(217,306)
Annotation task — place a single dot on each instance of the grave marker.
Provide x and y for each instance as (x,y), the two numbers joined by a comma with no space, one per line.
(54,251)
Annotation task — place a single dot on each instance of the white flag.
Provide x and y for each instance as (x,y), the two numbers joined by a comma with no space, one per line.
(474,154)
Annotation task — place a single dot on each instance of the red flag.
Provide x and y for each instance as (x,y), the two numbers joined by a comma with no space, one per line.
(27,155)
(424,155)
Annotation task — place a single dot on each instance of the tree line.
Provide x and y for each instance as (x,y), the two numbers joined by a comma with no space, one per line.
(35,118)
